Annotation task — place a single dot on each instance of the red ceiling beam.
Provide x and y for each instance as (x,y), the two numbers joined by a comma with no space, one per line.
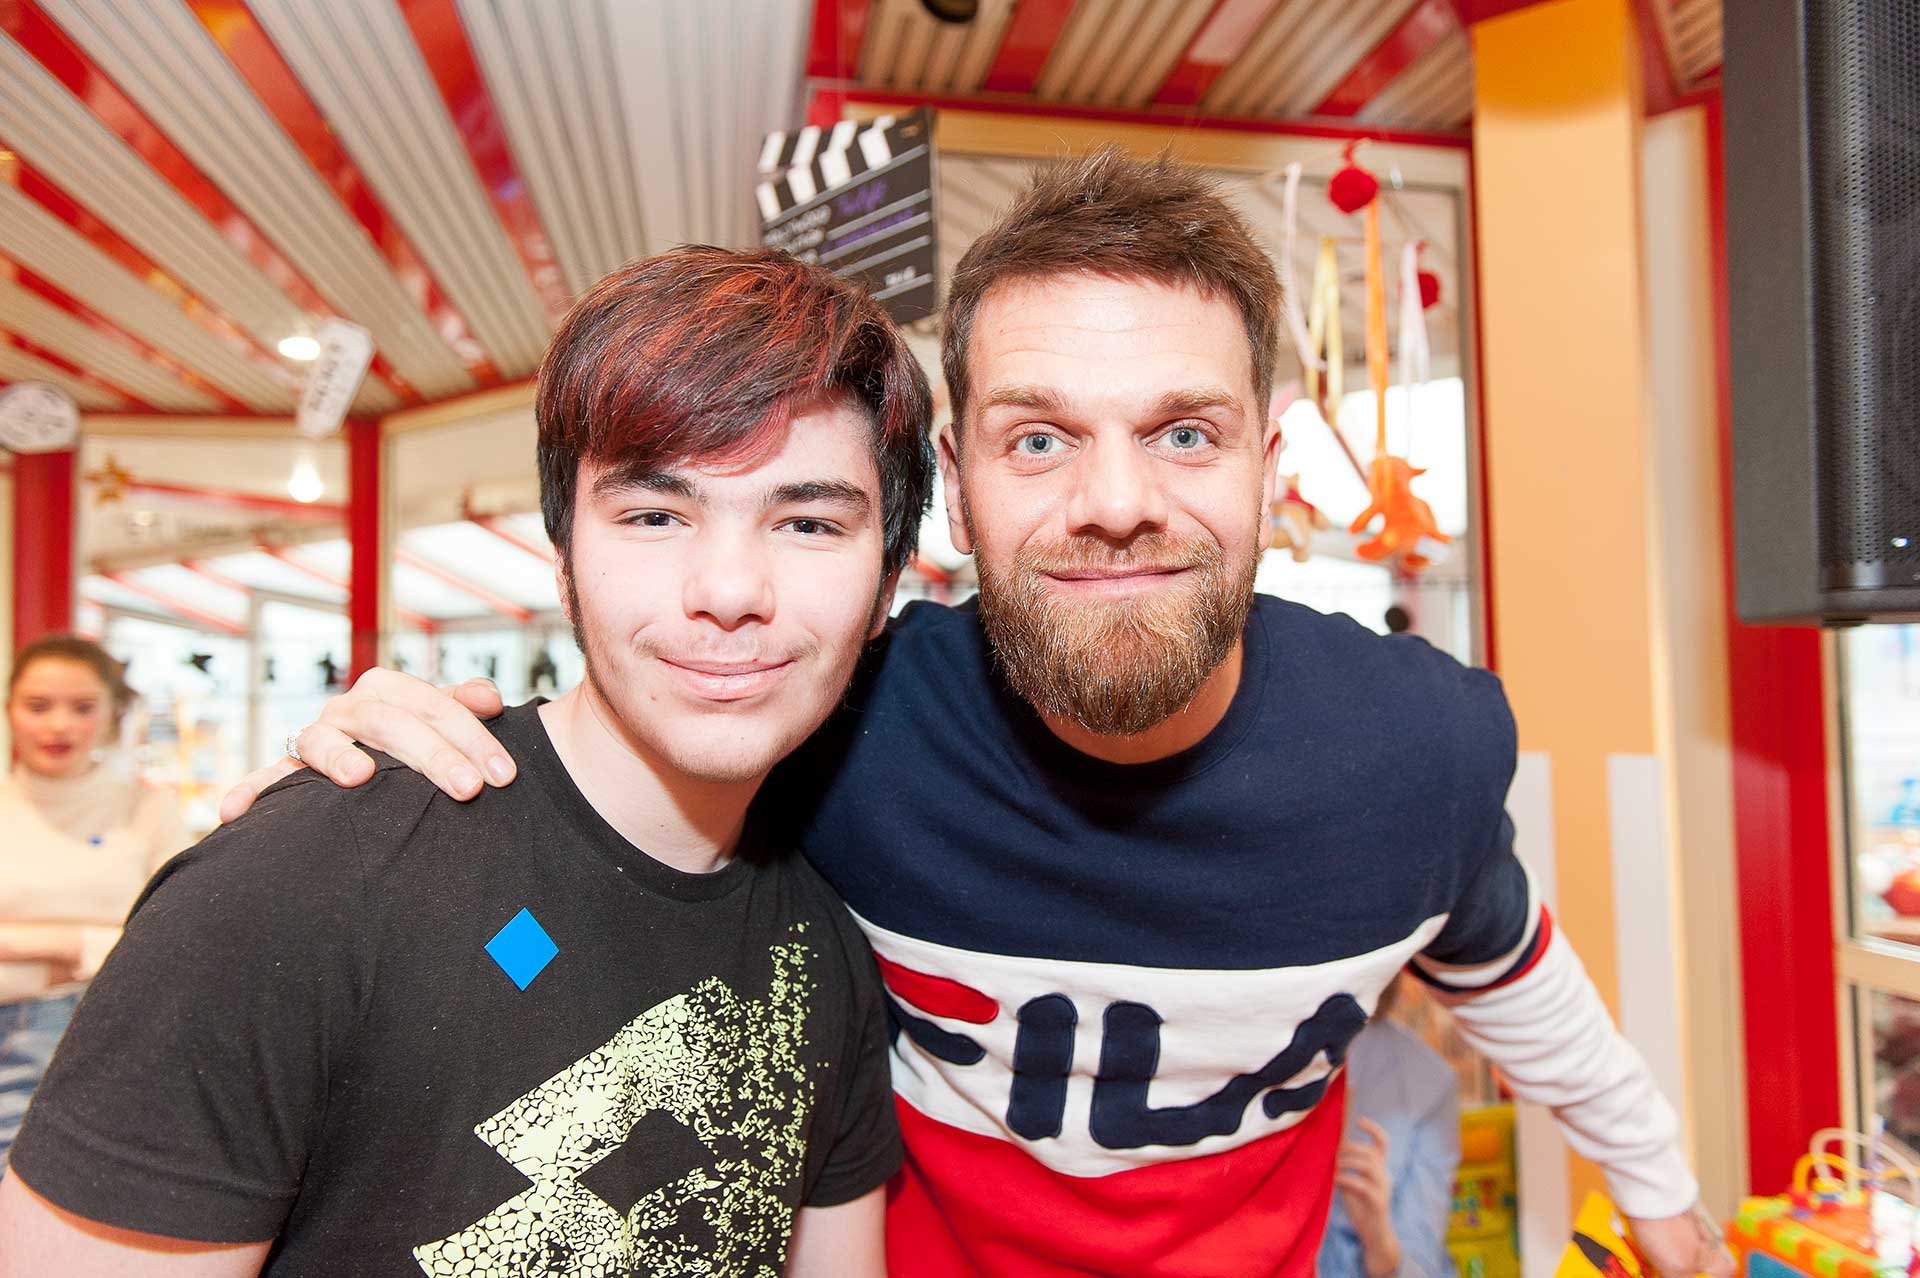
(839,30)
(414,619)
(254,55)
(200,569)
(40,36)
(498,527)
(498,603)
(1031,34)
(230,404)
(443,45)
(75,371)
(232,499)
(117,249)
(1659,82)
(1424,26)
(185,611)
(1219,40)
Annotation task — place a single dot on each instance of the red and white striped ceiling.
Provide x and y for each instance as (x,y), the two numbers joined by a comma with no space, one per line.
(184,184)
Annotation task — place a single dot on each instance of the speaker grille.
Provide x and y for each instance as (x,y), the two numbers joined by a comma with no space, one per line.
(1863,126)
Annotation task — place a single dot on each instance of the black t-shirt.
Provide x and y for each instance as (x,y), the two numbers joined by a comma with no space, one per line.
(405,1035)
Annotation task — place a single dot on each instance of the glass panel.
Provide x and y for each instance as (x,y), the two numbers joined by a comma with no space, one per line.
(1891,1079)
(1880,676)
(216,568)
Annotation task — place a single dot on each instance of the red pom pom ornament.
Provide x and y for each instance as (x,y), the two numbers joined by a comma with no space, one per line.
(1429,290)
(1352,188)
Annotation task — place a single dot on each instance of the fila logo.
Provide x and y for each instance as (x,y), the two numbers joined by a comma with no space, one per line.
(1122,1117)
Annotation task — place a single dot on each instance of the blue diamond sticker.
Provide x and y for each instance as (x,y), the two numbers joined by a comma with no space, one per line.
(522,949)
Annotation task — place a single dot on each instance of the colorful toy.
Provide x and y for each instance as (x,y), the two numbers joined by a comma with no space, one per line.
(1599,1247)
(1481,1231)
(1838,1220)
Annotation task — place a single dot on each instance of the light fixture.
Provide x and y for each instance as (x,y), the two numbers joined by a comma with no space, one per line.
(299,346)
(952,10)
(305,484)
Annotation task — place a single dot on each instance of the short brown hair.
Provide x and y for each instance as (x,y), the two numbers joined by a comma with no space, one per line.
(112,673)
(1109,213)
(706,353)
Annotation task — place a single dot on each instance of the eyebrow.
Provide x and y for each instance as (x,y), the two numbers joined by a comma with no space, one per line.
(832,492)
(1045,399)
(1193,400)
(625,478)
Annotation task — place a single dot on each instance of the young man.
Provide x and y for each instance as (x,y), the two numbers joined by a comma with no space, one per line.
(1137,849)
(599,1022)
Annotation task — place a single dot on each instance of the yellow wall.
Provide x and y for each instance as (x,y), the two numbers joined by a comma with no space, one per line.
(1602,505)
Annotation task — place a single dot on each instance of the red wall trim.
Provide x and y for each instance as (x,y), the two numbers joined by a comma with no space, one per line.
(1030,36)
(43,535)
(1165,118)
(1426,25)
(364,517)
(1781,830)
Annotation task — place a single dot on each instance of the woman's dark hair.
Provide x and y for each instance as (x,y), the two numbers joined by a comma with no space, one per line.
(85,651)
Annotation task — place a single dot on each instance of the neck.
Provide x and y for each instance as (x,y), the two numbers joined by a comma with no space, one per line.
(1181,730)
(680,821)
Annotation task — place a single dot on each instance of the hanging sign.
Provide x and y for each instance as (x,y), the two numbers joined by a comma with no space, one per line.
(38,418)
(858,200)
(346,352)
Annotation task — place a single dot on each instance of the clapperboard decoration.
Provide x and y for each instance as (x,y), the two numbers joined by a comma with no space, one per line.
(857,199)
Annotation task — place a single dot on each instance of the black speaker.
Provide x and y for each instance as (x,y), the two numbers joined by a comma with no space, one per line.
(1822,136)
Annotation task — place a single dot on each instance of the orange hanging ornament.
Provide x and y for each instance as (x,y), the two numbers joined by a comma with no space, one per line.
(1405,519)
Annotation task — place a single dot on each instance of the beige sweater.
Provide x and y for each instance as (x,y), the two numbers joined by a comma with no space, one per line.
(76,851)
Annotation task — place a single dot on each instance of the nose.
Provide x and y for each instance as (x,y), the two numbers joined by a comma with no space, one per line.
(1116,492)
(728,581)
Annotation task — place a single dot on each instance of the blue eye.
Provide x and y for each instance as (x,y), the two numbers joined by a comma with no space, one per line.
(1185,438)
(1036,444)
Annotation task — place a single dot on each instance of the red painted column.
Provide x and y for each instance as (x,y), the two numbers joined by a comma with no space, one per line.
(1780,828)
(43,545)
(365,578)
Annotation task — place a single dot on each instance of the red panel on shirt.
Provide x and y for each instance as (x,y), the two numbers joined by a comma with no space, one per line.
(967,1206)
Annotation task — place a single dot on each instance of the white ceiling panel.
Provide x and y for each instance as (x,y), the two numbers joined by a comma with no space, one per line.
(160,56)
(362,67)
(62,256)
(17,365)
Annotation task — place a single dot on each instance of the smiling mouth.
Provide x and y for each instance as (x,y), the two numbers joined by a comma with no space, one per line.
(1116,580)
(727,680)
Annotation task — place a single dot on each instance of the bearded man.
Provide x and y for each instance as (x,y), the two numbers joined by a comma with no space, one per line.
(1139,850)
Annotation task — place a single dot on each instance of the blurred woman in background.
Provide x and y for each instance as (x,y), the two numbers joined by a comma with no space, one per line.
(79,837)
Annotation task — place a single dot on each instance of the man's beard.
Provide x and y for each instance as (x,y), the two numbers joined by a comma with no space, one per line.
(1117,667)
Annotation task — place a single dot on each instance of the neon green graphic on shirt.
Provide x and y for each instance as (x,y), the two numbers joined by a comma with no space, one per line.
(727,1069)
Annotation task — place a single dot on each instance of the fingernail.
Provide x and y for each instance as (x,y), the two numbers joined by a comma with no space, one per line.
(465,780)
(499,769)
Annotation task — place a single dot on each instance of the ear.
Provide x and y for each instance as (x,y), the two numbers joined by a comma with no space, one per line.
(950,489)
(883,604)
(560,571)
(1272,442)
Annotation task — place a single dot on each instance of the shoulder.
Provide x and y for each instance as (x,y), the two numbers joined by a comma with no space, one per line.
(1331,663)
(304,838)
(838,936)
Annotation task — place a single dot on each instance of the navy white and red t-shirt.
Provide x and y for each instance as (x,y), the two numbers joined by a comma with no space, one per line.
(1122,994)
